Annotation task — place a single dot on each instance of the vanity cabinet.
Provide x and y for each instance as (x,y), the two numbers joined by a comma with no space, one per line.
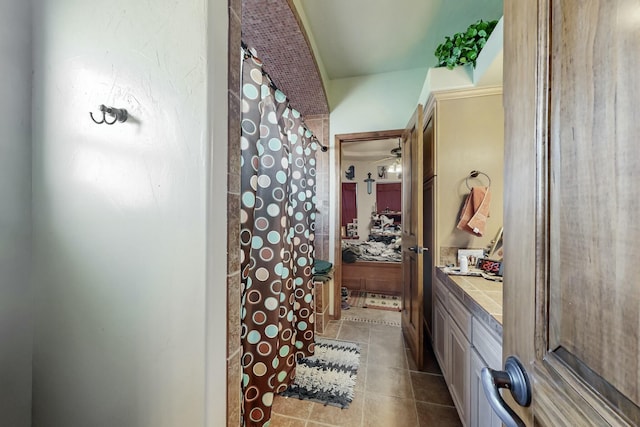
(480,413)
(463,345)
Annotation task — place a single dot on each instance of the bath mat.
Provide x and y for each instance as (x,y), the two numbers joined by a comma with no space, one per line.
(328,376)
(383,302)
(356,298)
(387,322)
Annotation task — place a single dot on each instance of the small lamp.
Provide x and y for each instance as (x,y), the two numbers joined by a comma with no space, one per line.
(369,181)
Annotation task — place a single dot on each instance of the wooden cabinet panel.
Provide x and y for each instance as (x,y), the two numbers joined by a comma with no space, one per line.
(463,346)
(460,315)
(480,412)
(439,336)
(428,141)
(487,345)
(459,351)
(373,276)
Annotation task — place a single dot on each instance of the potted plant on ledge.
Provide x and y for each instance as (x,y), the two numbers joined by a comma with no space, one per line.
(464,48)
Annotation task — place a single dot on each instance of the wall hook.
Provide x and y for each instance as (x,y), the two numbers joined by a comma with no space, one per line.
(118,114)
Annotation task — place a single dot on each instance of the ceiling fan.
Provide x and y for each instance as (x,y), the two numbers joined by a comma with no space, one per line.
(395,154)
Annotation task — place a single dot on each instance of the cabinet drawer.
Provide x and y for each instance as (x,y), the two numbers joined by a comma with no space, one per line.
(460,315)
(441,292)
(487,345)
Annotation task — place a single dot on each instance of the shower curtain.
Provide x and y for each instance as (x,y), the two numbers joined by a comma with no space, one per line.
(277,232)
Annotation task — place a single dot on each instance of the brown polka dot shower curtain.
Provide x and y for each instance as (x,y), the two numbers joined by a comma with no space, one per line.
(277,232)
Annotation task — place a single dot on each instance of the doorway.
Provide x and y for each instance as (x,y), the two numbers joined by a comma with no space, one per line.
(344,169)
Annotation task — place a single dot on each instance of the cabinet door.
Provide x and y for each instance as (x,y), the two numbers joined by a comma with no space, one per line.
(480,412)
(428,140)
(440,336)
(459,359)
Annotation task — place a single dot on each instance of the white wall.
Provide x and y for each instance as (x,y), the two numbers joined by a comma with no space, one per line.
(15,214)
(123,279)
(376,102)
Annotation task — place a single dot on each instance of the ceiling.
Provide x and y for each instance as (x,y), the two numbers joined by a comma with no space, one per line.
(305,44)
(369,150)
(362,37)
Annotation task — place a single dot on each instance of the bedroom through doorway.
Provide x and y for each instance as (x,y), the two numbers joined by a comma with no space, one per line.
(369,225)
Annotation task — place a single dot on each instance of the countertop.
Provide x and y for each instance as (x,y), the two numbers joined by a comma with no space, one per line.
(482,297)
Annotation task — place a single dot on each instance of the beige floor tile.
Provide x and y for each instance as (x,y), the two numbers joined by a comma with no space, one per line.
(430,415)
(354,332)
(292,407)
(411,363)
(393,382)
(385,388)
(364,353)
(314,424)
(387,335)
(282,421)
(430,388)
(349,417)
(430,363)
(385,411)
(331,330)
(386,356)
(361,378)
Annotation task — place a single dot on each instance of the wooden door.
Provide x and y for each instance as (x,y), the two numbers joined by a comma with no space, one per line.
(571,230)
(428,223)
(412,236)
(428,249)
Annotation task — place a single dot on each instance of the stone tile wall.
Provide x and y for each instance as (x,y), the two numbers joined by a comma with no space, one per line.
(319,125)
(234,347)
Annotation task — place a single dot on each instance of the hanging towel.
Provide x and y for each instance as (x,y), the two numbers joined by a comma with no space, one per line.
(475,211)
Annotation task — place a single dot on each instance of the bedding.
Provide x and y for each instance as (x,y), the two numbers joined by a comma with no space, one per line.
(386,250)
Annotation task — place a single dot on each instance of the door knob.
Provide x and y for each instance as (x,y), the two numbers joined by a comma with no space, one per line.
(515,379)
(417,249)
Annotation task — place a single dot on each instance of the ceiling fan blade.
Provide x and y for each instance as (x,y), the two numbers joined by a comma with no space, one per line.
(385,159)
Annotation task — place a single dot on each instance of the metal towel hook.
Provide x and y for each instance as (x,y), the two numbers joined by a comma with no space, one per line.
(118,114)
(474,174)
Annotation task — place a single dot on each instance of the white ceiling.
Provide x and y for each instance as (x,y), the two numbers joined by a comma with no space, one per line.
(369,150)
(361,37)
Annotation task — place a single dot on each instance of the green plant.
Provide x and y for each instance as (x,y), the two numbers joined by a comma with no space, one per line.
(463,48)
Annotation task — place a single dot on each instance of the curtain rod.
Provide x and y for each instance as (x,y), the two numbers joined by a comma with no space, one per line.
(249,54)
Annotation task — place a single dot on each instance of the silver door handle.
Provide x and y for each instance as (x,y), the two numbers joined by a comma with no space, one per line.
(417,249)
(515,379)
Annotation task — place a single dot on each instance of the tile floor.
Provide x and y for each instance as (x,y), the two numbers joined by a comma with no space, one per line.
(389,392)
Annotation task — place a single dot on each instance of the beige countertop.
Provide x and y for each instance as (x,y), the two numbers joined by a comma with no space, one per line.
(481,296)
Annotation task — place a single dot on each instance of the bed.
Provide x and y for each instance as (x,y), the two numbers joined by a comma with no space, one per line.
(377,267)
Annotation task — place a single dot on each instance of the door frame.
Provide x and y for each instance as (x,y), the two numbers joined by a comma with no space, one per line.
(337,208)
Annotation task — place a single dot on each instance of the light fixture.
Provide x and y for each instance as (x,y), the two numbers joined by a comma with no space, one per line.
(396,167)
(369,182)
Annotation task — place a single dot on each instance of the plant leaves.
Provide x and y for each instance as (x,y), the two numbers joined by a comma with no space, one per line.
(463,48)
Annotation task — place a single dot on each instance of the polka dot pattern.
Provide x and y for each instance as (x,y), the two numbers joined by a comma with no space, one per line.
(278,185)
